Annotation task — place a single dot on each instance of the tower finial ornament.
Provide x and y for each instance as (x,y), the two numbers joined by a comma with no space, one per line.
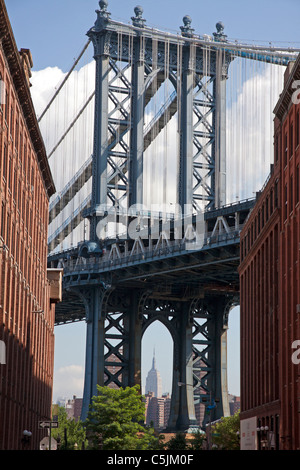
(138,19)
(186,30)
(103,4)
(219,35)
(102,15)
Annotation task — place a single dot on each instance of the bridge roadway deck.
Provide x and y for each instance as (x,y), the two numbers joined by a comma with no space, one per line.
(171,270)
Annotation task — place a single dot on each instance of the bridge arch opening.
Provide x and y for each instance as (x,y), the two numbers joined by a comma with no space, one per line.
(161,144)
(157,370)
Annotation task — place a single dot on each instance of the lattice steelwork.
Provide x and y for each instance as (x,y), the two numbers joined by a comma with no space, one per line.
(132,64)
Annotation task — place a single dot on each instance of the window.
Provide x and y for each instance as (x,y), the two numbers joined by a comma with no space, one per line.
(8,229)
(17,136)
(285,149)
(291,139)
(12,246)
(2,95)
(285,202)
(10,174)
(276,148)
(297,129)
(271,202)
(291,193)
(11,121)
(25,161)
(4,161)
(276,194)
(297,184)
(15,192)
(2,228)
(6,106)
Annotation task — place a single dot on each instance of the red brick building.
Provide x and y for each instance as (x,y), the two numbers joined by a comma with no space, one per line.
(26,289)
(287,151)
(269,286)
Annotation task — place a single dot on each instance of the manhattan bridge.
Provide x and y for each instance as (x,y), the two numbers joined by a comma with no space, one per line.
(158,148)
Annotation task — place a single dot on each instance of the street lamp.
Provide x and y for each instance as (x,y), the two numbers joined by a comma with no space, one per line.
(26,437)
(263,432)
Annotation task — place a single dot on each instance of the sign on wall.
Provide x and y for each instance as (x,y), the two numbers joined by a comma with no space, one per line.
(248,434)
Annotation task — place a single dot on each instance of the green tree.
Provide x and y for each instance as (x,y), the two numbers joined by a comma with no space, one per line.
(70,433)
(197,441)
(115,421)
(225,433)
(178,442)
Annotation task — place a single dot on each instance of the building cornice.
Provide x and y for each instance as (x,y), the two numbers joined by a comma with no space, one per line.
(23,92)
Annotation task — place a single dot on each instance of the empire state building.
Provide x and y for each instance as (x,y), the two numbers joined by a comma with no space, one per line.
(153,380)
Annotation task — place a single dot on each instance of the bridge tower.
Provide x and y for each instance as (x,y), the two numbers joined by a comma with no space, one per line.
(132,63)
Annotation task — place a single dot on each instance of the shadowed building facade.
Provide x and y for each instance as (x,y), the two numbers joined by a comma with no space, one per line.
(27,290)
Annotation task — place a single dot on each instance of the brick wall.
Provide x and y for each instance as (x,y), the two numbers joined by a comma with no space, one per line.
(26,314)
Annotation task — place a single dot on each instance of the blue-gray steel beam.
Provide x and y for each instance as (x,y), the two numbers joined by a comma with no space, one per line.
(182,413)
(100,151)
(185,177)
(94,361)
(137,129)
(220,130)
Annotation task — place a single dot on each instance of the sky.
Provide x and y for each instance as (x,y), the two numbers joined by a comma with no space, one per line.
(55,32)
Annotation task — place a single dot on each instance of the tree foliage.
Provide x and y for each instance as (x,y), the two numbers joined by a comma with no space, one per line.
(178,442)
(197,441)
(70,433)
(225,433)
(115,421)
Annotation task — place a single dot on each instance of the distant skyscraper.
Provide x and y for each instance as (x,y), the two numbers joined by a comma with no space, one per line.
(153,380)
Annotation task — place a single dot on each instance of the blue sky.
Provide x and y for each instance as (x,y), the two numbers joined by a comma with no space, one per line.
(55,32)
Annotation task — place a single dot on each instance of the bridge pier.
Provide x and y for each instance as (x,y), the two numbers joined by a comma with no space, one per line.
(92,298)
(116,321)
(217,308)
(182,412)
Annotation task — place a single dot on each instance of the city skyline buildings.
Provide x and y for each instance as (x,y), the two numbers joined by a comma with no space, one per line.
(153,380)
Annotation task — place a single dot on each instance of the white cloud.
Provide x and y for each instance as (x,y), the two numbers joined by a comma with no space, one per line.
(44,83)
(250,128)
(68,381)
